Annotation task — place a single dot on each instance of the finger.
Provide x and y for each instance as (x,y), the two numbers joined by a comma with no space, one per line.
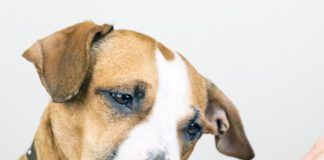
(320,156)
(317,148)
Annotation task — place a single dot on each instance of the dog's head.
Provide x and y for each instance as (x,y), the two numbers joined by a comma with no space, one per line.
(118,94)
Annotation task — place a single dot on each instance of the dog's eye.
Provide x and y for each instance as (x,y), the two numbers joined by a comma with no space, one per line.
(123,99)
(194,129)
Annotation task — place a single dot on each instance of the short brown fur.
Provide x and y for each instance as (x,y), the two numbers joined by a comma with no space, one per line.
(166,52)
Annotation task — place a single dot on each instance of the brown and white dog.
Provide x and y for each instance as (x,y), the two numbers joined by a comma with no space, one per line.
(122,95)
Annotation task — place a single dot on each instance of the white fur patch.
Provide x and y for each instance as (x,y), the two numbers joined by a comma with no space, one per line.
(159,133)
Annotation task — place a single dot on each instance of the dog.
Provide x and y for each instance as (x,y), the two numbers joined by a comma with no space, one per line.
(122,95)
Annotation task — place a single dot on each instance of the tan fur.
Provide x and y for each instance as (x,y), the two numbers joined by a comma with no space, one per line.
(233,141)
(65,52)
(166,52)
(87,127)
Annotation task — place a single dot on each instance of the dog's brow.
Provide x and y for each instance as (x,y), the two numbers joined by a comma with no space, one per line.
(192,118)
(196,115)
(126,87)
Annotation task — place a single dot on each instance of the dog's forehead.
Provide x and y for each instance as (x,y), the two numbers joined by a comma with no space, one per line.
(126,55)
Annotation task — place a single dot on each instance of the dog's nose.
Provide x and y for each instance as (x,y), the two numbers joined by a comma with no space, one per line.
(157,156)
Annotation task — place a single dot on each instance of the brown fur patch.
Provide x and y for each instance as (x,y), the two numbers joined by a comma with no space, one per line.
(62,59)
(166,52)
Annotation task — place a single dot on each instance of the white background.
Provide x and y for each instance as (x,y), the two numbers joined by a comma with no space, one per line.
(267,56)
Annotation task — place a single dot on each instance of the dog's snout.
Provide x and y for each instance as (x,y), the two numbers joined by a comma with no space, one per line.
(157,156)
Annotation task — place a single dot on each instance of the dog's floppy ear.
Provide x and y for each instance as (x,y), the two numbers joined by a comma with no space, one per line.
(224,121)
(63,60)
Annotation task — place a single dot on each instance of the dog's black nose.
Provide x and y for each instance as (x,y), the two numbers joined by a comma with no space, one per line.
(156,156)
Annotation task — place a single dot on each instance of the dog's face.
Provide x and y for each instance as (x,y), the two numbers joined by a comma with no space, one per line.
(122,95)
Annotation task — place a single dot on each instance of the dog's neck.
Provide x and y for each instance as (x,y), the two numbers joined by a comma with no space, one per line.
(44,142)
(59,135)
(44,145)
(49,140)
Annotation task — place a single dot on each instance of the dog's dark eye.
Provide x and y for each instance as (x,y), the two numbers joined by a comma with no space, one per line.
(123,99)
(194,129)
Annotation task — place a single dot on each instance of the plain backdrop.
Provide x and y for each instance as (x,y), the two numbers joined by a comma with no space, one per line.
(267,56)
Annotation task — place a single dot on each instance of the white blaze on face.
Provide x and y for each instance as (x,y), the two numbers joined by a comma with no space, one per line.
(158,134)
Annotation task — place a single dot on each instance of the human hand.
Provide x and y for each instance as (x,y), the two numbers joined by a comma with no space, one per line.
(317,151)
